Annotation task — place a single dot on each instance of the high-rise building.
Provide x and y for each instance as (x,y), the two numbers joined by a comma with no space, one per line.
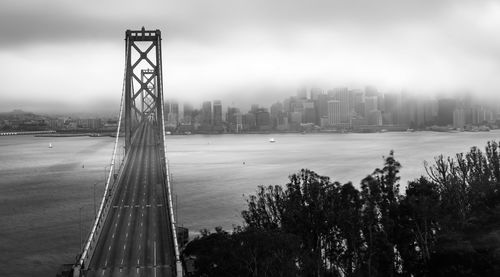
(391,111)
(302,93)
(321,105)
(188,113)
(315,93)
(459,118)
(371,104)
(217,113)
(206,113)
(445,111)
(343,95)
(249,121)
(375,118)
(309,112)
(262,119)
(276,114)
(334,115)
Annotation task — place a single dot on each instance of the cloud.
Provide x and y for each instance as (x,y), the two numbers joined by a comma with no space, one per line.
(226,47)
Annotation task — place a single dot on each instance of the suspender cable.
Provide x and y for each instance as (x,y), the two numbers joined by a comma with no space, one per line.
(92,237)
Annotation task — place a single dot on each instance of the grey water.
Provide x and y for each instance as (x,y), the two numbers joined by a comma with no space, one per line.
(47,194)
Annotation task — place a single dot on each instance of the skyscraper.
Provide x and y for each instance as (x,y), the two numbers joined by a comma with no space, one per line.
(445,111)
(334,112)
(459,118)
(188,113)
(217,113)
(343,96)
(206,113)
(302,93)
(371,104)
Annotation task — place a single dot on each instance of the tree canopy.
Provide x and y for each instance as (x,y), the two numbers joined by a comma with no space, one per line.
(444,224)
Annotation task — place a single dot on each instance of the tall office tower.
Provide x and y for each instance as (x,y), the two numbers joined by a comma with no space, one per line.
(302,93)
(375,118)
(478,115)
(468,107)
(321,105)
(391,103)
(431,112)
(217,113)
(173,116)
(276,109)
(334,112)
(262,119)
(239,122)
(231,115)
(167,107)
(445,111)
(309,112)
(187,113)
(315,93)
(287,105)
(420,112)
(371,91)
(344,97)
(459,118)
(254,108)
(371,104)
(359,103)
(206,113)
(276,113)
(249,121)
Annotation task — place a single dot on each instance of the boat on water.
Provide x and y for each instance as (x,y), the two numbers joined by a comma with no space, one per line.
(50,145)
(272,140)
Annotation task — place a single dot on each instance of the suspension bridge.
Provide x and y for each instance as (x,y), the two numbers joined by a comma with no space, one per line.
(134,233)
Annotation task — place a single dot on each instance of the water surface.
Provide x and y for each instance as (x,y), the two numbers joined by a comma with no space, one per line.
(46,194)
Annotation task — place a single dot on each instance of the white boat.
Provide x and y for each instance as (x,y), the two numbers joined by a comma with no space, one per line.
(272,140)
(50,145)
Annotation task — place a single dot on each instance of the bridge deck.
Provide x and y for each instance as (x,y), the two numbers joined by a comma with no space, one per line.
(136,239)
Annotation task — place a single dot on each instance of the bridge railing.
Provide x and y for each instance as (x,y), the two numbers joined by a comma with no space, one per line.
(109,193)
(168,185)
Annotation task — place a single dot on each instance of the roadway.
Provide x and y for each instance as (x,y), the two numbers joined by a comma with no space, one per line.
(136,239)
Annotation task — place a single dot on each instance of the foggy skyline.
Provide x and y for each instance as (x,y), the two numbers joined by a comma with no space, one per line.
(69,56)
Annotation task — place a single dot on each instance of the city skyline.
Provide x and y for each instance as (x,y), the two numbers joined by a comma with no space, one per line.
(339,109)
(239,51)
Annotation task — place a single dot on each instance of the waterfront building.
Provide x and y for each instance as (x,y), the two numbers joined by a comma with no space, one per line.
(206,114)
(370,104)
(459,118)
(262,119)
(217,106)
(187,113)
(446,106)
(302,93)
(249,121)
(309,112)
(375,118)
(315,93)
(334,117)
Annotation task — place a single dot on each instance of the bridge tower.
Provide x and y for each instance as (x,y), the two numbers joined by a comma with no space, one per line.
(143,80)
(148,102)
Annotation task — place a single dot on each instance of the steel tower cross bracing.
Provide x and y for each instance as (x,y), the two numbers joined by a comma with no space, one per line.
(148,101)
(143,80)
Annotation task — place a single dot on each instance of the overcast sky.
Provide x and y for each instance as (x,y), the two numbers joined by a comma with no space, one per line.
(69,55)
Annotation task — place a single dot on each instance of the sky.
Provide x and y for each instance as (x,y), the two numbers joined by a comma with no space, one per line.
(69,55)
